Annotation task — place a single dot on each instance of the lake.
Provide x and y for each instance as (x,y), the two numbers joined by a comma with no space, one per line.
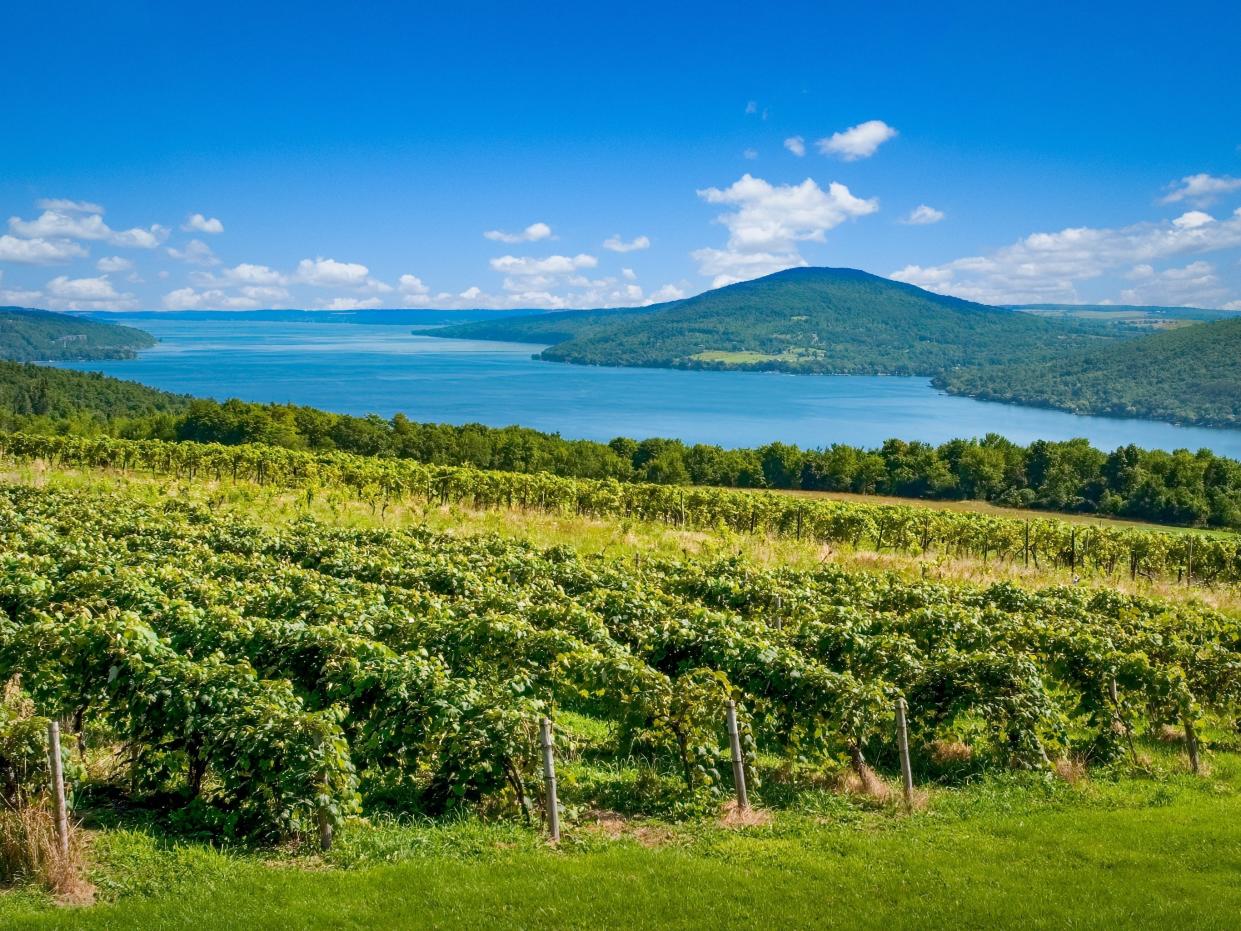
(359,369)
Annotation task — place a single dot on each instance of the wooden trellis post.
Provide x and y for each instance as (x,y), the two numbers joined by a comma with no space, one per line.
(902,739)
(734,742)
(58,786)
(549,778)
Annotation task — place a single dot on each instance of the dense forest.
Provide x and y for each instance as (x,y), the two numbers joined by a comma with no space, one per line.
(42,336)
(806,320)
(1199,489)
(1189,374)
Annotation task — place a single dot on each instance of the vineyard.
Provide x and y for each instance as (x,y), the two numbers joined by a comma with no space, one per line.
(269,683)
(1107,552)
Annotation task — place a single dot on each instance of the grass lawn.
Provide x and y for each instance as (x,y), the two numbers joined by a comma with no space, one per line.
(1137,853)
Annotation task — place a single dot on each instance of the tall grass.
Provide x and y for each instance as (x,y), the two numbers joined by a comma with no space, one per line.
(31,852)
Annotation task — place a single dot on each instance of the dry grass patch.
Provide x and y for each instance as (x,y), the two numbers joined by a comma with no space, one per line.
(950,752)
(734,816)
(29,850)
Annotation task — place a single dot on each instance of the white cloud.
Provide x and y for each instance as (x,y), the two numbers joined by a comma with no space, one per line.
(1192,220)
(796,145)
(628,274)
(328,273)
(769,220)
(66,205)
(772,217)
(247,273)
(726,266)
(265,293)
(68,224)
(86,293)
(751,107)
(668,292)
(750,154)
(196,222)
(1046,266)
(38,251)
(196,252)
(114,263)
(353,303)
(526,275)
(471,293)
(616,244)
(922,215)
(411,285)
(857,142)
(1232,305)
(1193,285)
(19,296)
(532,233)
(1200,189)
(189,299)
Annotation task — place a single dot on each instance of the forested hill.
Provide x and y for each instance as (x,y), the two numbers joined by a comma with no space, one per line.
(1188,375)
(41,335)
(546,328)
(812,320)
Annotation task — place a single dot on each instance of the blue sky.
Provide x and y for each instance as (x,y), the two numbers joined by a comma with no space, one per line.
(357,155)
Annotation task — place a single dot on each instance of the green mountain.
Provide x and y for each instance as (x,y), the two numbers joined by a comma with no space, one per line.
(546,328)
(811,320)
(1190,374)
(43,336)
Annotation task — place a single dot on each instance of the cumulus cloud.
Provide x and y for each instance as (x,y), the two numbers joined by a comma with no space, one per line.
(1195,284)
(668,292)
(196,252)
(524,274)
(411,285)
(922,215)
(18,296)
(353,303)
(74,224)
(329,273)
(114,263)
(1192,220)
(1200,189)
(39,251)
(616,244)
(532,233)
(767,221)
(214,299)
(796,145)
(196,222)
(750,154)
(250,274)
(67,206)
(86,293)
(860,141)
(1045,267)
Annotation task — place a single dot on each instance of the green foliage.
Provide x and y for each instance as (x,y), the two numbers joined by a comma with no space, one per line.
(1184,375)
(41,335)
(266,679)
(1198,489)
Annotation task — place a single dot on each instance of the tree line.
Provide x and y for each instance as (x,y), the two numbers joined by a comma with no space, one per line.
(1182,487)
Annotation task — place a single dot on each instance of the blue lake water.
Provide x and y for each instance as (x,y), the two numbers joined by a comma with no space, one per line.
(360,369)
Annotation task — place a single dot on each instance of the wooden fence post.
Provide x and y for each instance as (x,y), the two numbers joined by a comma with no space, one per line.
(58,786)
(902,739)
(549,777)
(734,742)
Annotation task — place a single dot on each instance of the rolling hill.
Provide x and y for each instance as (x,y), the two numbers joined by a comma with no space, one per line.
(809,320)
(1188,375)
(43,336)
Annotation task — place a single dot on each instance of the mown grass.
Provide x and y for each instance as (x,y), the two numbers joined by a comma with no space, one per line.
(1012,851)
